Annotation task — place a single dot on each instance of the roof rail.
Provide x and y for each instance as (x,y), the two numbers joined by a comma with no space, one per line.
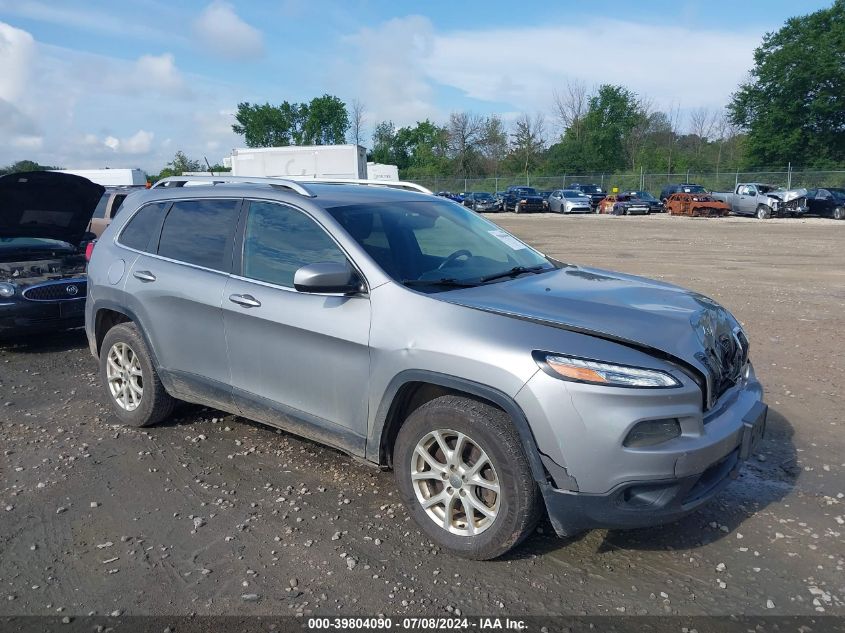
(299,186)
(395,184)
(182,181)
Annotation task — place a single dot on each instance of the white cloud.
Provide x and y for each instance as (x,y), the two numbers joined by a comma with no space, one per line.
(387,68)
(404,65)
(672,64)
(28,142)
(158,73)
(219,29)
(17,52)
(139,143)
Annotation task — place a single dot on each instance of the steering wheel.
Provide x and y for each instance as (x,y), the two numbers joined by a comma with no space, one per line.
(453,257)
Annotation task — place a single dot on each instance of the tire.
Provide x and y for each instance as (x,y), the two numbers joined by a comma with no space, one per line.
(515,509)
(839,213)
(516,208)
(153,404)
(763,212)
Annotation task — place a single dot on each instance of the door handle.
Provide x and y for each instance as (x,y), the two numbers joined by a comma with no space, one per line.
(144,275)
(247,301)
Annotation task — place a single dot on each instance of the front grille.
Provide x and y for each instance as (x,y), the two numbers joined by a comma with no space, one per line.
(726,361)
(57,290)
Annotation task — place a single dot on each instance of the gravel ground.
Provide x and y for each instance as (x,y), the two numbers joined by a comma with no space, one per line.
(212,514)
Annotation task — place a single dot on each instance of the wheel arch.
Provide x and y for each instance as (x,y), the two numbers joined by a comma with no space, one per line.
(107,315)
(411,389)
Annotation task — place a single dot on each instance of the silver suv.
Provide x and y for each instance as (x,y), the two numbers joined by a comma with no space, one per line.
(406,330)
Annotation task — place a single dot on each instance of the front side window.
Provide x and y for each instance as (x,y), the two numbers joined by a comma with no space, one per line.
(141,227)
(279,240)
(433,240)
(198,232)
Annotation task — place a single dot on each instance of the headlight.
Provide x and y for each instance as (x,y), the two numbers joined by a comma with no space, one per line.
(523,201)
(7,290)
(599,373)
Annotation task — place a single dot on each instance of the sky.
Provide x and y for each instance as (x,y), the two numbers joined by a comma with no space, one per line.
(97,83)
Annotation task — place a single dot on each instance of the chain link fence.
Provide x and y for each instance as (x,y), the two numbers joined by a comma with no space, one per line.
(654,183)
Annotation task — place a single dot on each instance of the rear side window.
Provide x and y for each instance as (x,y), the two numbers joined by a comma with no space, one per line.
(199,231)
(142,226)
(279,240)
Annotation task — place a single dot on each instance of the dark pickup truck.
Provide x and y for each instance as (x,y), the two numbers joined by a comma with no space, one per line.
(522,200)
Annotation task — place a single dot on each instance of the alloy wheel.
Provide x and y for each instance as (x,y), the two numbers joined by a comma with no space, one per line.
(455,482)
(124,375)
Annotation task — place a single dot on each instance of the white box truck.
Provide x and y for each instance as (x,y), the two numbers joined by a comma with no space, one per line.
(111,177)
(380,171)
(301,161)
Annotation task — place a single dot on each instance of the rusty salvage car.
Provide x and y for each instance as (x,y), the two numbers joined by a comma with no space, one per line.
(623,204)
(696,205)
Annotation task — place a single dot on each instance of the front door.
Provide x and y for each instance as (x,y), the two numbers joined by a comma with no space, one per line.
(300,360)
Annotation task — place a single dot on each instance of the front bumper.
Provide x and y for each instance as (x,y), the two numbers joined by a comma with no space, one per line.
(600,483)
(19,316)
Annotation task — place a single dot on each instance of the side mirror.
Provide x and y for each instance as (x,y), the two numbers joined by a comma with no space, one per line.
(327,277)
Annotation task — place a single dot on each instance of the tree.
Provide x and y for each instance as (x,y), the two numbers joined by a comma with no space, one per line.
(793,104)
(324,121)
(384,143)
(570,106)
(357,120)
(702,124)
(24,165)
(494,143)
(179,165)
(465,132)
(528,141)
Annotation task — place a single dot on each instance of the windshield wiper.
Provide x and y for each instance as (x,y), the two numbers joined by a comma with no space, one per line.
(446,281)
(513,272)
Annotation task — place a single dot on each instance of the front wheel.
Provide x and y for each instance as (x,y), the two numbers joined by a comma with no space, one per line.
(462,473)
(133,388)
(839,213)
(516,208)
(763,212)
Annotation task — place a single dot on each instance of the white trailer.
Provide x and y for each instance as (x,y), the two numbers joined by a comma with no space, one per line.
(301,162)
(380,171)
(110,177)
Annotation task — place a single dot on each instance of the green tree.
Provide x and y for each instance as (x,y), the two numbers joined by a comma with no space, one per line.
(179,165)
(24,165)
(793,104)
(325,121)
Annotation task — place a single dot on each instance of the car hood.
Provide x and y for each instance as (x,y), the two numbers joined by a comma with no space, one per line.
(623,308)
(47,204)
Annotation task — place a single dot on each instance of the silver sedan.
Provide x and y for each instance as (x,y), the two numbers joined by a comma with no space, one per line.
(569,201)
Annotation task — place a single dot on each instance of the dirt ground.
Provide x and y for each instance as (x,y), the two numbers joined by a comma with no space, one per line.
(211,514)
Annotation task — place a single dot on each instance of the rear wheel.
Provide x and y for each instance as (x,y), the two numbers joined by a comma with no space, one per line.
(763,212)
(133,388)
(839,213)
(462,473)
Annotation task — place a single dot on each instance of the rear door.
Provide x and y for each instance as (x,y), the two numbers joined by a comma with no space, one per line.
(178,289)
(300,360)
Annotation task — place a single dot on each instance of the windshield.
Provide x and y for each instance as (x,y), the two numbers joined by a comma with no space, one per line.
(590,189)
(694,189)
(525,191)
(573,194)
(433,240)
(39,243)
(482,196)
